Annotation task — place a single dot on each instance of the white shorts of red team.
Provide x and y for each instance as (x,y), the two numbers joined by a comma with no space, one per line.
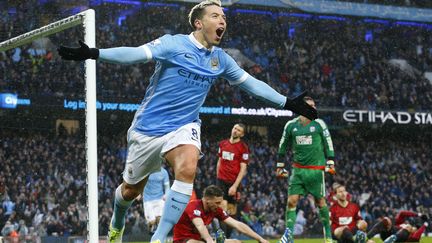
(146,153)
(153,209)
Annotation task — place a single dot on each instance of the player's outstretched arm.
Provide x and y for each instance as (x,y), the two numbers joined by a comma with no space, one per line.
(81,53)
(243,228)
(202,229)
(263,91)
(120,55)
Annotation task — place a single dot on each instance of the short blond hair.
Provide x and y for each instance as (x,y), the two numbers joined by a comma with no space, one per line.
(197,11)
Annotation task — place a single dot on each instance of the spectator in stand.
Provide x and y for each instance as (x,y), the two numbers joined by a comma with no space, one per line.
(334,59)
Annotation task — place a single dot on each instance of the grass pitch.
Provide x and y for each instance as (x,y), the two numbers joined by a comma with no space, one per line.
(423,240)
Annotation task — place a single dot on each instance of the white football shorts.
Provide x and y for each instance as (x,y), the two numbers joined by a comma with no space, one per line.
(146,153)
(153,209)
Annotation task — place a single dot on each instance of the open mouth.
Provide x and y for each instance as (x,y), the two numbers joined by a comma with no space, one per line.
(220,31)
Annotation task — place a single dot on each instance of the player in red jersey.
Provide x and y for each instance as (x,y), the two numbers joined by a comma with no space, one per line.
(331,197)
(231,168)
(347,224)
(401,230)
(191,228)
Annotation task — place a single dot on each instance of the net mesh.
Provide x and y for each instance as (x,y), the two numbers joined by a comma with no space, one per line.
(43,145)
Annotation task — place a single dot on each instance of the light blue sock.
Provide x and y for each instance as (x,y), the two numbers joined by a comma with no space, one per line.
(120,208)
(177,199)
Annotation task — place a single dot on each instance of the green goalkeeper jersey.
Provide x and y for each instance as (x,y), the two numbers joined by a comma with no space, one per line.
(311,143)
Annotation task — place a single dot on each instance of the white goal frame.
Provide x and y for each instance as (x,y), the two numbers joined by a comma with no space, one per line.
(87,19)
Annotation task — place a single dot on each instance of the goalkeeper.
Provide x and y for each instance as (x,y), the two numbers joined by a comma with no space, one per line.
(312,155)
(167,126)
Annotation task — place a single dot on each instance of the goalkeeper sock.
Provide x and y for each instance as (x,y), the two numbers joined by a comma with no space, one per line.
(325,220)
(415,236)
(177,199)
(290,218)
(120,208)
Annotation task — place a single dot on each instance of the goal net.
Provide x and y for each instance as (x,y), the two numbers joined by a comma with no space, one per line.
(45,119)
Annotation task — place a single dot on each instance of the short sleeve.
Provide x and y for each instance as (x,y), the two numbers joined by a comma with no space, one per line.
(245,154)
(358,214)
(233,73)
(161,48)
(220,150)
(192,211)
(221,214)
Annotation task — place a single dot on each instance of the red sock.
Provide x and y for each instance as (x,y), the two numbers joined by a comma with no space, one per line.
(415,236)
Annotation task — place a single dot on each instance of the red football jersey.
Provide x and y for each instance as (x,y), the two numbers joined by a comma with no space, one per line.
(344,216)
(231,155)
(402,216)
(185,229)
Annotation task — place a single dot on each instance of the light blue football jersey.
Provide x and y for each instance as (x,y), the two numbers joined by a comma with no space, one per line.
(184,73)
(154,188)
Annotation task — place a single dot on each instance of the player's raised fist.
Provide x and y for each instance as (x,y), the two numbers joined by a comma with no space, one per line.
(81,53)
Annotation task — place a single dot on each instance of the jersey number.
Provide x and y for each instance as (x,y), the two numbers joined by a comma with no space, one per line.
(194,134)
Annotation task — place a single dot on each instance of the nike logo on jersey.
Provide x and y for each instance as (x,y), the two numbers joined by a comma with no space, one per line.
(187,55)
(175,200)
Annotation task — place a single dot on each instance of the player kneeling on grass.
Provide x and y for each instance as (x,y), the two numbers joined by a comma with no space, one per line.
(191,228)
(346,223)
(401,230)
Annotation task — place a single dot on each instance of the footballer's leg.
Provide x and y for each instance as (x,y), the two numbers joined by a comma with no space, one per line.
(416,234)
(124,197)
(290,218)
(381,227)
(291,214)
(225,205)
(315,184)
(143,159)
(184,160)
(401,236)
(343,234)
(295,189)
(182,151)
(149,212)
(324,216)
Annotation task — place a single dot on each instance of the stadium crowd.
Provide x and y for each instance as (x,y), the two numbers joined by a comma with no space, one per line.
(344,63)
(42,183)
(405,3)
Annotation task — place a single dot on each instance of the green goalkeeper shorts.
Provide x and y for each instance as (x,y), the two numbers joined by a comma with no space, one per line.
(307,181)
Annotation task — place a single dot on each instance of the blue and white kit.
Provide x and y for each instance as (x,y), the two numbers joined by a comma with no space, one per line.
(184,73)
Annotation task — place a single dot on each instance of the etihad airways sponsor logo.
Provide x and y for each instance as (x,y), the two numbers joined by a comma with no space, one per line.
(395,117)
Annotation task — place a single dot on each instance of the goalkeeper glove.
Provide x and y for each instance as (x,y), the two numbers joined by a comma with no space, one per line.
(330,167)
(281,172)
(78,53)
(299,106)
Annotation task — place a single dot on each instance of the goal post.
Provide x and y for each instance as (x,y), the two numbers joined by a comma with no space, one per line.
(87,19)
